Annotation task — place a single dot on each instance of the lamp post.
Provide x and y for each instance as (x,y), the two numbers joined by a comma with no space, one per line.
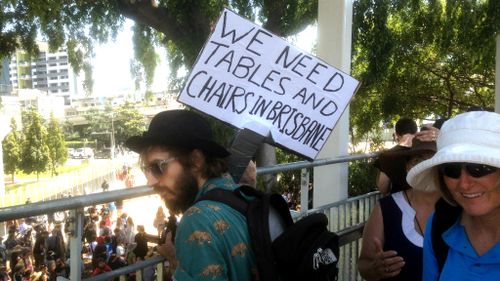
(112,136)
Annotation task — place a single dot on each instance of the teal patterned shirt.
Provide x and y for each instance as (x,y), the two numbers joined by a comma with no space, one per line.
(212,240)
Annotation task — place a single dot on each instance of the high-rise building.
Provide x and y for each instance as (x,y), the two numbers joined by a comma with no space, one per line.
(49,72)
(5,88)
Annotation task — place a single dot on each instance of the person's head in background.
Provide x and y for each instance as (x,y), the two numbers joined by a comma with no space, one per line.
(405,129)
(249,176)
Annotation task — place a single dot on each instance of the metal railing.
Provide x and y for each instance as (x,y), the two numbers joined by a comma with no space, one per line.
(346,217)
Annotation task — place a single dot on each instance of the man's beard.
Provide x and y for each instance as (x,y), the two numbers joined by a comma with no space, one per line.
(185,193)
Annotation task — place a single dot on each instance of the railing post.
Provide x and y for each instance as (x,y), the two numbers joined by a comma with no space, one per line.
(304,190)
(160,272)
(75,245)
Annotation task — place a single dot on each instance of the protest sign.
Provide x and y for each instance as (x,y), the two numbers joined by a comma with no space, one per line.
(250,78)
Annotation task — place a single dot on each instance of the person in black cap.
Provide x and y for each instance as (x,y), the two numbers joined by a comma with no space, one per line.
(181,161)
(391,177)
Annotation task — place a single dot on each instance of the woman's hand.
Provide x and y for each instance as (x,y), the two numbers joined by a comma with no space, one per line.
(386,263)
(428,135)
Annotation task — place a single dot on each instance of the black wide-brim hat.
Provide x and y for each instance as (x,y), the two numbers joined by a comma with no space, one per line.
(178,128)
(418,147)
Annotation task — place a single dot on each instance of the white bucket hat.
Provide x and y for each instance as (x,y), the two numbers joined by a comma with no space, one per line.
(472,137)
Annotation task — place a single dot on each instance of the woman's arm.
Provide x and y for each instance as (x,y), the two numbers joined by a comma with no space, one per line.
(374,263)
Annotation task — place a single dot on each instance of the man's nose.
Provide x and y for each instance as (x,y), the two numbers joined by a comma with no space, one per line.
(151,180)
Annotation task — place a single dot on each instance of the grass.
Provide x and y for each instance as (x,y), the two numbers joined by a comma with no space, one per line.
(22,179)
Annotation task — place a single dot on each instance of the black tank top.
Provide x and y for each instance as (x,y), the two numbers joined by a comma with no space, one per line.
(395,239)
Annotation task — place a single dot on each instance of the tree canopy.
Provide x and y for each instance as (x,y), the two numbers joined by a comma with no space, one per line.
(12,150)
(179,25)
(422,58)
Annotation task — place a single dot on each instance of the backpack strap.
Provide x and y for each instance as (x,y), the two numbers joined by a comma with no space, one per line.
(444,217)
(230,198)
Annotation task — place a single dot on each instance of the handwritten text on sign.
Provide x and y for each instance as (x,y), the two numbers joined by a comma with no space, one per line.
(247,76)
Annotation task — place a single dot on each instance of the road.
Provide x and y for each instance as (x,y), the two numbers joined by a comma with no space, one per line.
(141,209)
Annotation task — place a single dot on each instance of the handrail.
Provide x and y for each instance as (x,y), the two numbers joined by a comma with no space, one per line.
(308,164)
(126,269)
(341,202)
(75,202)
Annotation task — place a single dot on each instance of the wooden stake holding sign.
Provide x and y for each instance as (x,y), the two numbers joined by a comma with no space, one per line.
(250,78)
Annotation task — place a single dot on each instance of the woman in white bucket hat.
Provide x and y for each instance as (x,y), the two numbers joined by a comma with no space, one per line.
(462,238)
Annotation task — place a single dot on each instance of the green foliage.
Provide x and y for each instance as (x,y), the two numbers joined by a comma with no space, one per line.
(362,177)
(144,52)
(422,58)
(58,153)
(289,180)
(149,97)
(35,151)
(124,122)
(11,146)
(128,122)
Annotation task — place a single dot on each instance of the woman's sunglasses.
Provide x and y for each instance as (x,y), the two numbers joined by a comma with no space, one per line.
(454,170)
(157,167)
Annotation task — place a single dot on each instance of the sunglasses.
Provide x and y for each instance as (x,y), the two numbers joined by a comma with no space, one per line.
(454,170)
(157,167)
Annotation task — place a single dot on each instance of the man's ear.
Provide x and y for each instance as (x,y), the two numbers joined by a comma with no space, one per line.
(197,159)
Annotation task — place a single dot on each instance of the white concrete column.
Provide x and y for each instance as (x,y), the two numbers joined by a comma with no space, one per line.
(497,77)
(334,46)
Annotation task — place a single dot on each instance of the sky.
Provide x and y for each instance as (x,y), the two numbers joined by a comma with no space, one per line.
(111,64)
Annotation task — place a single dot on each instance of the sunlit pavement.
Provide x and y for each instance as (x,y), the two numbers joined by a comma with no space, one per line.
(141,209)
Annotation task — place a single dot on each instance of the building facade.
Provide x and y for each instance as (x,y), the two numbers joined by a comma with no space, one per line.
(49,72)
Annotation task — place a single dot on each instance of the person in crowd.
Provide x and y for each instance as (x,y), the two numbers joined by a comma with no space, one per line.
(4,274)
(105,186)
(159,221)
(62,269)
(118,240)
(56,244)
(393,235)
(27,258)
(11,240)
(465,170)
(181,161)
(392,175)
(18,272)
(129,230)
(129,253)
(142,243)
(15,260)
(116,261)
(101,268)
(170,227)
(99,252)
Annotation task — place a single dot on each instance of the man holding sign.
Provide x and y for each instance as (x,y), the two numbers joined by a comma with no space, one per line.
(182,162)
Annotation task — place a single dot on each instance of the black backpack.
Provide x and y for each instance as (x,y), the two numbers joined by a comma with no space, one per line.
(284,250)
(445,216)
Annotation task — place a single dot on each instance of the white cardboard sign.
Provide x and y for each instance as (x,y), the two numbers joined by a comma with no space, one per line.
(251,78)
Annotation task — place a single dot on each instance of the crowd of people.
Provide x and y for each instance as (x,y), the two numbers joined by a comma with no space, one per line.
(39,250)
(438,219)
